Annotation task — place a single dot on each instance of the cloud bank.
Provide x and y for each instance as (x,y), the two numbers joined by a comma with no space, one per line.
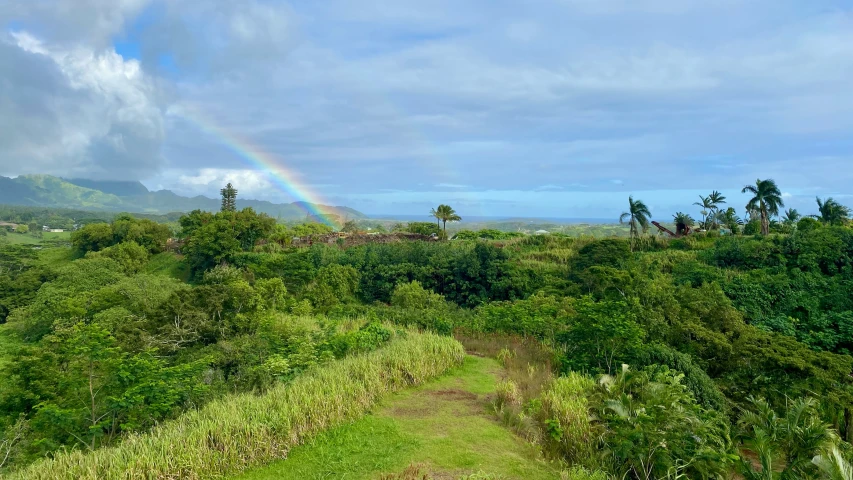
(548,107)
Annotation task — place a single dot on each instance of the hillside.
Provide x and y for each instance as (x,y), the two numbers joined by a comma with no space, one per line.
(50,191)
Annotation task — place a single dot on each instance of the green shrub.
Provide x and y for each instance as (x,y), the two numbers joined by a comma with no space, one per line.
(413,295)
(423,228)
(240,431)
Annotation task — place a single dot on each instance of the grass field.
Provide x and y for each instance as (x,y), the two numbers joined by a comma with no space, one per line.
(444,429)
(27,239)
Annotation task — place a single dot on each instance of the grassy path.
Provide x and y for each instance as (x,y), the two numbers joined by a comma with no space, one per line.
(444,428)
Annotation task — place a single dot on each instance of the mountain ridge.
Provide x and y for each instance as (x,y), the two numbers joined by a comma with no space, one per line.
(49,191)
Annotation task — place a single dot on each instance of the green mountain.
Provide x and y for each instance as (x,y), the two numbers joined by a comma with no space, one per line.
(50,191)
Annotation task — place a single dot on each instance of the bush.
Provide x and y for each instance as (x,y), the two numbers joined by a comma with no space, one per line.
(507,395)
(240,431)
(609,252)
(131,256)
(752,228)
(423,228)
(413,295)
(808,224)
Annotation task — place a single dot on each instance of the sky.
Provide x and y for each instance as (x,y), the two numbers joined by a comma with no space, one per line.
(549,108)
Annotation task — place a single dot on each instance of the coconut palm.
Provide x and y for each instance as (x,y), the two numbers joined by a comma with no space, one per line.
(766,200)
(831,212)
(707,207)
(434,213)
(716,198)
(445,213)
(791,216)
(637,215)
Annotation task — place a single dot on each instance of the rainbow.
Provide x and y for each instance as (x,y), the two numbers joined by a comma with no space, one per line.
(286,179)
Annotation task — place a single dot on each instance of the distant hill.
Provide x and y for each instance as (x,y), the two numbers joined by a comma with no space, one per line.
(50,191)
(117,188)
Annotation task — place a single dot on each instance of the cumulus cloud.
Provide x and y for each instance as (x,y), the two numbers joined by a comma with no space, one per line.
(73,111)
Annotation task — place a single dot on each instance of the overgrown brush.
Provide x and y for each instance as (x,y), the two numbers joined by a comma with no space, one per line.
(570,432)
(242,431)
(507,394)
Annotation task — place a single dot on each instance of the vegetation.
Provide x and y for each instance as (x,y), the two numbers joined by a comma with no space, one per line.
(444,214)
(239,431)
(638,218)
(217,342)
(766,200)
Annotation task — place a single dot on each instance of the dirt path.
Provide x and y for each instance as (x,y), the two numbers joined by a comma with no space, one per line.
(443,428)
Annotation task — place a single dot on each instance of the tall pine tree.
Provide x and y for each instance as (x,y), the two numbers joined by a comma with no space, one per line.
(229,198)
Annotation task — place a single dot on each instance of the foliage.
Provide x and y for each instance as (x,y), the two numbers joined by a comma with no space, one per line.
(413,295)
(239,431)
(487,234)
(215,238)
(832,212)
(784,445)
(423,228)
(444,214)
(602,335)
(638,217)
(124,228)
(229,198)
(655,428)
(571,432)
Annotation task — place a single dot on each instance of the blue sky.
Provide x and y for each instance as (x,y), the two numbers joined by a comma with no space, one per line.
(557,108)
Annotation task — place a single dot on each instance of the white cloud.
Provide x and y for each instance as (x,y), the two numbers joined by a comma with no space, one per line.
(74,111)
(91,22)
(210,180)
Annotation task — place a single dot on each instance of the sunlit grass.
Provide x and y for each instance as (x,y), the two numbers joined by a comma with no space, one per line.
(169,264)
(444,428)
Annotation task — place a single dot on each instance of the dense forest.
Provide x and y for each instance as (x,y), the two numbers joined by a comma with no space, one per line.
(723,352)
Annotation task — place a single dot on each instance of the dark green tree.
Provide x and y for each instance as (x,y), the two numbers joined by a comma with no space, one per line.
(229,198)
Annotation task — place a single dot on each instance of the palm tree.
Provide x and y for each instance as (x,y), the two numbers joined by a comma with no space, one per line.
(791,216)
(716,198)
(446,214)
(831,212)
(833,466)
(766,200)
(434,213)
(639,214)
(786,445)
(707,206)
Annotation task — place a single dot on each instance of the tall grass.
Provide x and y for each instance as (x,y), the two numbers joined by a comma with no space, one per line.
(242,431)
(565,412)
